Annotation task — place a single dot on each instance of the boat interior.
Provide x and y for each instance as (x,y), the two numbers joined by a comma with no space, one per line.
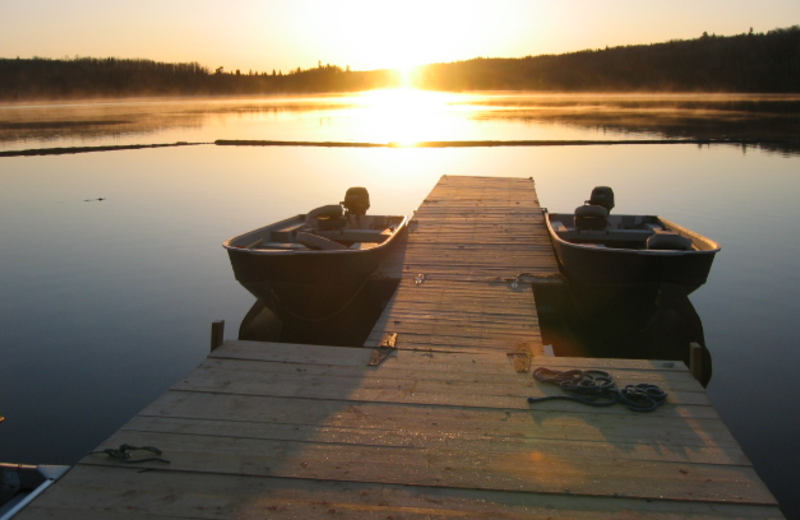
(304,233)
(621,231)
(335,227)
(592,224)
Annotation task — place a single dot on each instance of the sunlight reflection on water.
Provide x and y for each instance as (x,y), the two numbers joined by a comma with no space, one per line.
(401,115)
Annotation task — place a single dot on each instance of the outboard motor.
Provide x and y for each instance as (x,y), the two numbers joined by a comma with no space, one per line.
(356,201)
(602,196)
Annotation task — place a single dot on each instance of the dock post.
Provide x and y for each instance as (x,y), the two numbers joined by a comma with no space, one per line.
(217,334)
(696,360)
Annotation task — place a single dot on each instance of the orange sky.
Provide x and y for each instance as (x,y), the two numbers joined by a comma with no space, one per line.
(263,35)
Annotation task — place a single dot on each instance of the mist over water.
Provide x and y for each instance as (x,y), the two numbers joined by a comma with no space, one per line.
(107,303)
(407,116)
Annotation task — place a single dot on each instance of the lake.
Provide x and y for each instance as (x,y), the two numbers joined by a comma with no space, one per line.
(113,270)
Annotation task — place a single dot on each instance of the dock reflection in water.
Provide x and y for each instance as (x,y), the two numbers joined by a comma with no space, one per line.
(667,334)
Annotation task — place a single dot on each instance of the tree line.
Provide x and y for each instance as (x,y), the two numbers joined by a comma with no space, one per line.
(751,63)
(764,62)
(43,78)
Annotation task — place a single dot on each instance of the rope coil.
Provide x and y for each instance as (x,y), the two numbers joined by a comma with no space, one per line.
(597,388)
(123,453)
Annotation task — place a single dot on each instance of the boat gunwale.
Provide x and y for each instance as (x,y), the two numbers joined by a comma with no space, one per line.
(713,247)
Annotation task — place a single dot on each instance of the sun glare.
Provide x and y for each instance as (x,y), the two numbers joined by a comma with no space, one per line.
(405,116)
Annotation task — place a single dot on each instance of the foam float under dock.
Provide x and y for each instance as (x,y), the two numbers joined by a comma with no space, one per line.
(438,429)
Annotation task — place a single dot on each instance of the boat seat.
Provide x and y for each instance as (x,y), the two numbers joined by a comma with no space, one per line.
(280,245)
(670,241)
(318,242)
(357,235)
(591,217)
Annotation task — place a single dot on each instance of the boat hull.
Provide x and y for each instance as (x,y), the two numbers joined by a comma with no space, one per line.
(307,284)
(609,269)
(630,267)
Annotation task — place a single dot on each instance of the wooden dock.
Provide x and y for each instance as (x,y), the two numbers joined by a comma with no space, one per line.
(476,246)
(440,428)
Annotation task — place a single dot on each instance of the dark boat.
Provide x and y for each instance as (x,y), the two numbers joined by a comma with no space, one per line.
(20,484)
(311,265)
(635,258)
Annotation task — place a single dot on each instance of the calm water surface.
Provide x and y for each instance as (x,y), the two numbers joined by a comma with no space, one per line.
(107,303)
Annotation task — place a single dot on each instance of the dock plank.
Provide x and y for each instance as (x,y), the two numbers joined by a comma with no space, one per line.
(495,466)
(478,227)
(391,384)
(214,497)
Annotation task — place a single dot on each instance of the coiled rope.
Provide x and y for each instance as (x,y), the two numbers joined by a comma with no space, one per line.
(124,454)
(597,388)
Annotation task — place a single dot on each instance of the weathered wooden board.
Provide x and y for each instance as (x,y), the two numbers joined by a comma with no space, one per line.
(476,362)
(394,384)
(454,314)
(205,496)
(466,269)
(528,467)
(476,228)
(491,366)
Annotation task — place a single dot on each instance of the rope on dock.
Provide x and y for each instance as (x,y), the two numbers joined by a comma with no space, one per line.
(123,453)
(597,388)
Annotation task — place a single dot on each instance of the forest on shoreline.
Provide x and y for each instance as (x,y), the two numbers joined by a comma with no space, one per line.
(747,63)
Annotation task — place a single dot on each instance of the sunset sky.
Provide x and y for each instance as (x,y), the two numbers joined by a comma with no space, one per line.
(262,35)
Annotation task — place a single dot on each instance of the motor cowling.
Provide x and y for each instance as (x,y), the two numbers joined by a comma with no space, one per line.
(356,201)
(602,196)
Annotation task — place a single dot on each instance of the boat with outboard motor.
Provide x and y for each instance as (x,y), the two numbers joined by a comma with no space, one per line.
(312,264)
(638,256)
